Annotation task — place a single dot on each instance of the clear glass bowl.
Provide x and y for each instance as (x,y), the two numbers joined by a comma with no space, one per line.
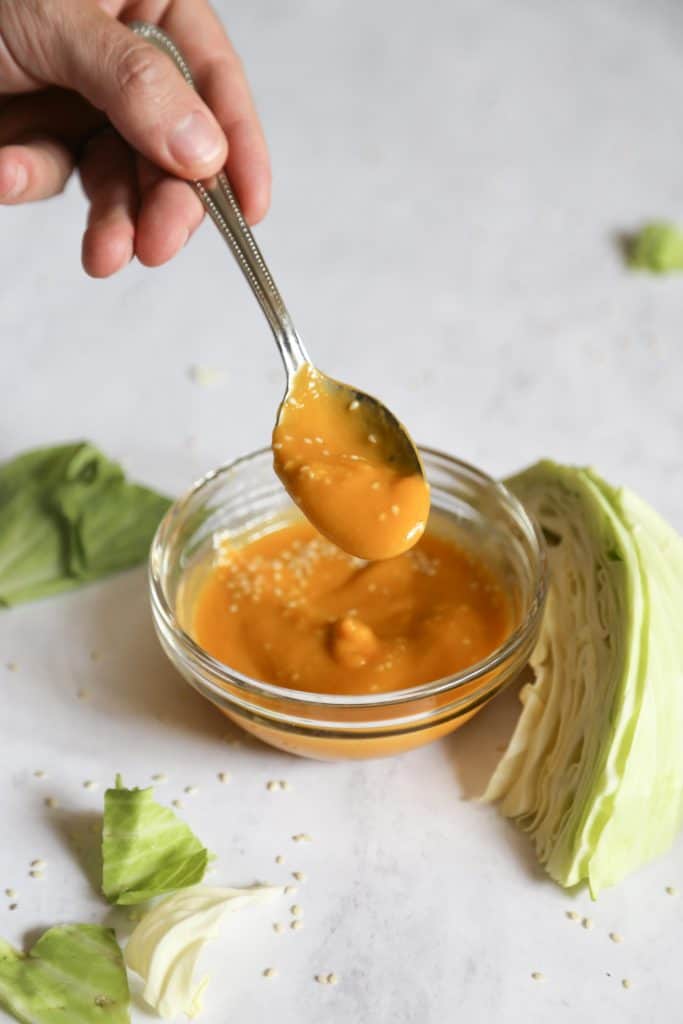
(476,510)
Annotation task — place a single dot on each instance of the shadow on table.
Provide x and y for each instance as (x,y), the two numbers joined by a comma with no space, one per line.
(81,833)
(475,750)
(130,673)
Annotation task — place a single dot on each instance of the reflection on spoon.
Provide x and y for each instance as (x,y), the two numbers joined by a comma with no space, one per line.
(350,466)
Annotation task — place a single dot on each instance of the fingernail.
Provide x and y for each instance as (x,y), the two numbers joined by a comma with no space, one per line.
(195,140)
(18,185)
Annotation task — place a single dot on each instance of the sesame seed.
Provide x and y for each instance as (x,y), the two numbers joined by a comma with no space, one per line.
(285,785)
(382,517)
(270,972)
(36,874)
(279,859)
(572,915)
(321,979)
(82,694)
(587,923)
(278,927)
(537,976)
(295,910)
(51,802)
(205,376)
(299,875)
(615,937)
(224,777)
(40,774)
(671,890)
(353,405)
(375,485)
(160,777)
(191,790)
(395,510)
(625,983)
(332,978)
(302,837)
(10,893)
(39,864)
(89,784)
(372,438)
(290,890)
(177,803)
(296,925)
(13,906)
(272,785)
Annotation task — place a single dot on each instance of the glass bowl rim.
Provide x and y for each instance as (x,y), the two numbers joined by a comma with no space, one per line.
(202,659)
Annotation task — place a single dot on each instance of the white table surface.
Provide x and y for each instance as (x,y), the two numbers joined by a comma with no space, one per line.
(450,181)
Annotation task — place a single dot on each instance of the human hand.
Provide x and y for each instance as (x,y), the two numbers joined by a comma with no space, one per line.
(79,89)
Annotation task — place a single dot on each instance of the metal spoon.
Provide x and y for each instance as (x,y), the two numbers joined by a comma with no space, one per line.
(216,194)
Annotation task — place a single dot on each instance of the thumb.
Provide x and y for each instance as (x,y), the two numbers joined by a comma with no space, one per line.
(139,89)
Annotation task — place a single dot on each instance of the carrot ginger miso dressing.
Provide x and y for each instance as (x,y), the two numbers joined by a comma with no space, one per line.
(338,473)
(291,609)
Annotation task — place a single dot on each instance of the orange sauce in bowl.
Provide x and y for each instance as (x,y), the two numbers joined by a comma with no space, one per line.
(340,474)
(290,608)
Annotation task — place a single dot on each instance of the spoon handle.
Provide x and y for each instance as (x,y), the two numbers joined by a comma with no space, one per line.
(221,205)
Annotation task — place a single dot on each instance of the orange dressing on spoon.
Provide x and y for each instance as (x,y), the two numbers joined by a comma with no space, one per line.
(339,475)
(290,608)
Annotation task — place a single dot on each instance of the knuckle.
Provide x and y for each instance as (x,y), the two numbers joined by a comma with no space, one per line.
(139,70)
(236,63)
(225,66)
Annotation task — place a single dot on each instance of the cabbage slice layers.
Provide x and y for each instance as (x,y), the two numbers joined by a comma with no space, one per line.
(594,770)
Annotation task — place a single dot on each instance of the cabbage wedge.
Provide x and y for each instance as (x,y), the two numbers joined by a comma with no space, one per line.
(594,769)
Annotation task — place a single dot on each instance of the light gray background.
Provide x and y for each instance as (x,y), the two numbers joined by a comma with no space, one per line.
(450,183)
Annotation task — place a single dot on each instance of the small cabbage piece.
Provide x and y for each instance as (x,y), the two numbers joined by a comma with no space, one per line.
(146,849)
(166,944)
(594,769)
(74,974)
(658,247)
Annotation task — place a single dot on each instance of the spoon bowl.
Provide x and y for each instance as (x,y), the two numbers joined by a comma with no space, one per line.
(394,443)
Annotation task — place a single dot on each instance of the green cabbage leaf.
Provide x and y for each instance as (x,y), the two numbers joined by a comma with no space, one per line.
(68,516)
(594,769)
(146,849)
(74,974)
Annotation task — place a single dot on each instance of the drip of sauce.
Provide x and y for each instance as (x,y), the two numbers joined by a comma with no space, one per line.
(290,608)
(338,473)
